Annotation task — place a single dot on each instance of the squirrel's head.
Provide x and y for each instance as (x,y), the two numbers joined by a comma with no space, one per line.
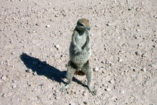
(83,24)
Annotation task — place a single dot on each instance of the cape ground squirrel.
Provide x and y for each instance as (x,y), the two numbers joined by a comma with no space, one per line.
(80,51)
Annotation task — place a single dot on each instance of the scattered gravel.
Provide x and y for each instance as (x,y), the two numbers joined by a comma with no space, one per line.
(124,52)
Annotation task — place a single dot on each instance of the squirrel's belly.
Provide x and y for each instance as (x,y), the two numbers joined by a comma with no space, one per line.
(80,59)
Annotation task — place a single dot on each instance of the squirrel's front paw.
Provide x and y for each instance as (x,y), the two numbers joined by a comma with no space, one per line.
(77,50)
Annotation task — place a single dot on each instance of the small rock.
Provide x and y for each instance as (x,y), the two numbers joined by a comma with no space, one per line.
(137,53)
(122,91)
(55,94)
(29,32)
(84,93)
(56,15)
(107,24)
(47,26)
(108,62)
(153,46)
(143,55)
(57,46)
(28,84)
(85,102)
(111,81)
(133,69)
(95,59)
(107,89)
(3,77)
(14,86)
(72,103)
(138,25)
(129,9)
(104,85)
(63,14)
(4,95)
(28,70)
(96,69)
(34,73)
(103,71)
(61,56)
(56,97)
(143,69)
(37,24)
(13,81)
(119,59)
(102,62)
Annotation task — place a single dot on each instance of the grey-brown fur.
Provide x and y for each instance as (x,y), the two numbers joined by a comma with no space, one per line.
(80,51)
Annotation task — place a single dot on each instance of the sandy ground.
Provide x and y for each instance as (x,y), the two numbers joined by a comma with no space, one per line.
(34,41)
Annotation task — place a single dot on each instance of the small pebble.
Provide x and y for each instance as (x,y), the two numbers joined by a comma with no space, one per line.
(111,81)
(134,69)
(85,102)
(137,53)
(14,86)
(4,95)
(28,70)
(37,24)
(61,56)
(72,103)
(29,32)
(96,69)
(34,73)
(28,84)
(108,89)
(84,93)
(105,85)
(13,81)
(4,78)
(102,62)
(143,69)
(107,24)
(56,15)
(129,9)
(122,91)
(47,26)
(57,46)
(108,63)
(119,59)
(153,46)
(143,55)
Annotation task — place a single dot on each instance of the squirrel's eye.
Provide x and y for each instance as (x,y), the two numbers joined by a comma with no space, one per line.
(80,24)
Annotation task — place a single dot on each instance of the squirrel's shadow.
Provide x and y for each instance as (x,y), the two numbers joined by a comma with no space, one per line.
(42,68)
